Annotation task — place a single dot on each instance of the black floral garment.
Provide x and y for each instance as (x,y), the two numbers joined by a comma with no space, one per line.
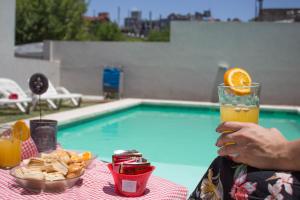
(226,179)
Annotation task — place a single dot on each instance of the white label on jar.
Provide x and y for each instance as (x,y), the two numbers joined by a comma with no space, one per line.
(128,186)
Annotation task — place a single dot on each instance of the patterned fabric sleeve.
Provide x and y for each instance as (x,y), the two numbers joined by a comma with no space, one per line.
(228,180)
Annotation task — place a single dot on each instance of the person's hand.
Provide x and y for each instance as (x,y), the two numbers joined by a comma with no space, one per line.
(253,145)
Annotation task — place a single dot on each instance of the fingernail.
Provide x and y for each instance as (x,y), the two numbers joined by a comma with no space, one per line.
(218,143)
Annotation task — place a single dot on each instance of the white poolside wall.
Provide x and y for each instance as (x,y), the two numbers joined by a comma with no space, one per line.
(19,69)
(187,66)
(183,69)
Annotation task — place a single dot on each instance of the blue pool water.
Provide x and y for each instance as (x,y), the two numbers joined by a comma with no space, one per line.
(179,141)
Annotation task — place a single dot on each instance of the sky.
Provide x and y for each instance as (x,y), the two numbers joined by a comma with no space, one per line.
(222,9)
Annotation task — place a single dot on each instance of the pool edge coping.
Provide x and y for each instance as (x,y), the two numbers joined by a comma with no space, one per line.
(157,102)
(80,114)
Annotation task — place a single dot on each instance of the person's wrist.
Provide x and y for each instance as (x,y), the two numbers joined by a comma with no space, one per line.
(286,156)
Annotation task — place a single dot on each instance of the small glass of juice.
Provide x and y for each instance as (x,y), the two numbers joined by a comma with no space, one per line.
(10,148)
(239,107)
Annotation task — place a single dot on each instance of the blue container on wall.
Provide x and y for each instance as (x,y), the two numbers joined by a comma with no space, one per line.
(112,79)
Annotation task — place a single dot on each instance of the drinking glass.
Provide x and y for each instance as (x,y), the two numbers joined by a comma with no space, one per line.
(10,148)
(239,107)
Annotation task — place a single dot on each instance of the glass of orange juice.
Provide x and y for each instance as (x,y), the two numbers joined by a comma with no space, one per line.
(238,106)
(10,148)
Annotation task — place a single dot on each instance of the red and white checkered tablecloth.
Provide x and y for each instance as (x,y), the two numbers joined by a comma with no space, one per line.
(29,149)
(97,183)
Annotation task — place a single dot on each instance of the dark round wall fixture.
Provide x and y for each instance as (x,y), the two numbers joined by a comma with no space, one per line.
(38,83)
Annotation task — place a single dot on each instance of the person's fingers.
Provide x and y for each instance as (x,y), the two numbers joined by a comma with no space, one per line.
(225,139)
(229,150)
(226,127)
(236,137)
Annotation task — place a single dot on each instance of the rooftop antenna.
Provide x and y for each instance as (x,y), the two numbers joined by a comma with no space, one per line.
(150,19)
(160,17)
(119,14)
(260,7)
(255,8)
(150,15)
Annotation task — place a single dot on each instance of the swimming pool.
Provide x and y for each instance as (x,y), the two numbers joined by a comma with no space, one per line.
(179,141)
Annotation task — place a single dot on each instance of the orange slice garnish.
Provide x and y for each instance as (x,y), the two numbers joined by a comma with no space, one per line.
(86,155)
(238,79)
(20,130)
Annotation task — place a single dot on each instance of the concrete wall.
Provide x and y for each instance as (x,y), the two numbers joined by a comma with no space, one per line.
(187,67)
(19,69)
(7,26)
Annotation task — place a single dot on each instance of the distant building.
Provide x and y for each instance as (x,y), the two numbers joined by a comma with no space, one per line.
(179,17)
(136,15)
(205,16)
(279,14)
(236,20)
(135,25)
(199,16)
(102,17)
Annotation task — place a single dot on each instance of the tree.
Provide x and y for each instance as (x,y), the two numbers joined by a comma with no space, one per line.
(160,36)
(105,31)
(38,20)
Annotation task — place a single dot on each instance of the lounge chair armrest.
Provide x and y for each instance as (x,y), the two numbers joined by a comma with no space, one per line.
(4,93)
(28,93)
(62,90)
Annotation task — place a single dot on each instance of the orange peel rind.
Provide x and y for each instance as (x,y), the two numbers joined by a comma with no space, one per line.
(239,81)
(20,130)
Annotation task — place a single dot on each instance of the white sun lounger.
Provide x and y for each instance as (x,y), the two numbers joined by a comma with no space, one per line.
(60,94)
(22,104)
(8,86)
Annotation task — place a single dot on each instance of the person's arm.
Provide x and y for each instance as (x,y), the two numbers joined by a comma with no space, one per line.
(258,147)
(292,155)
